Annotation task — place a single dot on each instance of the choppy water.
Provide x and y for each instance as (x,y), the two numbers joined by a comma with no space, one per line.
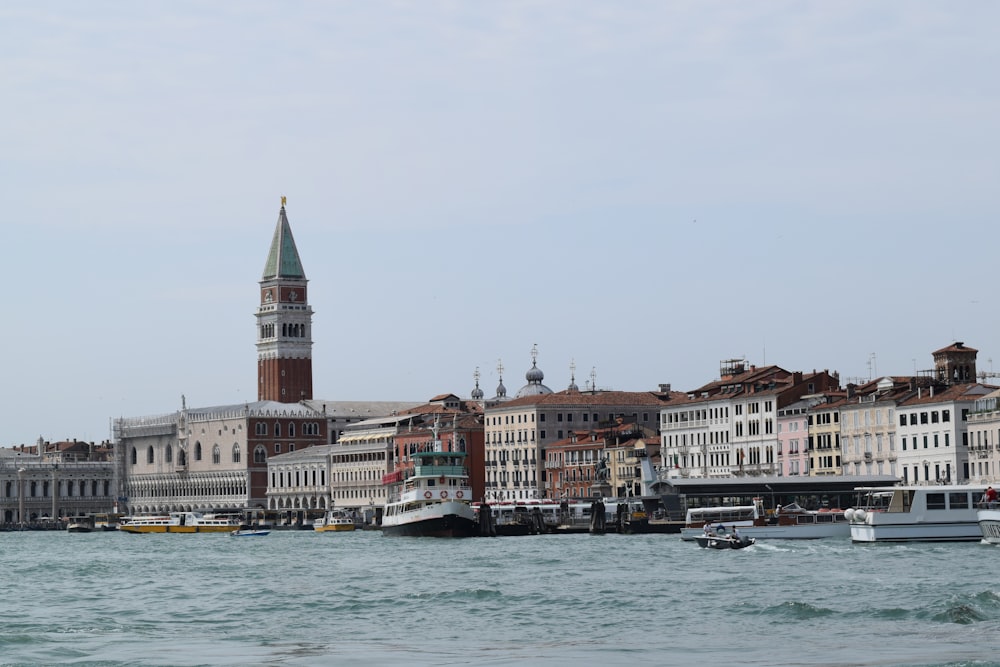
(300,598)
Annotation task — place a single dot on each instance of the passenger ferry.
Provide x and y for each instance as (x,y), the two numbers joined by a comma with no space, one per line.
(434,501)
(916,514)
(790,522)
(334,521)
(182,522)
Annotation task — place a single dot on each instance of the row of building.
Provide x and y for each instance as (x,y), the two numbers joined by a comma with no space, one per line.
(291,454)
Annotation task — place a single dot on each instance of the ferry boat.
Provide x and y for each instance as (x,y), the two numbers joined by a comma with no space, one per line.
(939,513)
(182,522)
(434,501)
(334,521)
(790,522)
(988,516)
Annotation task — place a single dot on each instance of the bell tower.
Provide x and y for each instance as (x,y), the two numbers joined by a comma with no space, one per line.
(284,322)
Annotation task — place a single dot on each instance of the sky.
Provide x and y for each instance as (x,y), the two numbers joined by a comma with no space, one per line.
(640,189)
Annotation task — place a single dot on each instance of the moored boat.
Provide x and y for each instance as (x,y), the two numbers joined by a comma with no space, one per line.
(435,500)
(182,522)
(334,521)
(790,522)
(939,513)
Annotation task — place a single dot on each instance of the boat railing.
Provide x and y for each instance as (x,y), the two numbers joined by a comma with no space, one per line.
(437,471)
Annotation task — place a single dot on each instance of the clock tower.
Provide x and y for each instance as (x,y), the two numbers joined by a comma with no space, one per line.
(284,322)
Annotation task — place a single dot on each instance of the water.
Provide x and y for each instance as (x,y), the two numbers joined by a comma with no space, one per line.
(301,598)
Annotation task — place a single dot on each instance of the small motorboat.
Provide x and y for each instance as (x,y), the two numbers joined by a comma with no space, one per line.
(250,531)
(724,541)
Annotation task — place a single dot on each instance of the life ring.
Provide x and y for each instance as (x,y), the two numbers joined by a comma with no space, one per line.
(427,494)
(459,494)
(444,494)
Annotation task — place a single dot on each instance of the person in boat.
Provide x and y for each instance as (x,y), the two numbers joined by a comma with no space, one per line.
(736,535)
(708,528)
(990,497)
(720,529)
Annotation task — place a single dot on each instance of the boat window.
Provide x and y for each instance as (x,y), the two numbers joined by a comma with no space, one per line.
(935,501)
(958,500)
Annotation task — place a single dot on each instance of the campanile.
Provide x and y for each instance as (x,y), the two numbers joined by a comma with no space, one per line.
(284,322)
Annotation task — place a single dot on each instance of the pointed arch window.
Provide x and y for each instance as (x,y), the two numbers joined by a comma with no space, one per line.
(169,454)
(149,454)
(216,454)
(236,453)
(277,430)
(197,451)
(181,457)
(134,456)
(260,454)
(291,429)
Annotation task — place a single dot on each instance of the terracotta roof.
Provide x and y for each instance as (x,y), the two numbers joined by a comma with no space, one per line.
(957,346)
(653,399)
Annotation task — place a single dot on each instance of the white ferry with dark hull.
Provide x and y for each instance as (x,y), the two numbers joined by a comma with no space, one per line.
(435,500)
(936,513)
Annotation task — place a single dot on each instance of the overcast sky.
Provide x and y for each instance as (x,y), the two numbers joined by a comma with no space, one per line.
(642,189)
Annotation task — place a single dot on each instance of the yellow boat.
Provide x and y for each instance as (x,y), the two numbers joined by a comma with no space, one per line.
(181,522)
(334,521)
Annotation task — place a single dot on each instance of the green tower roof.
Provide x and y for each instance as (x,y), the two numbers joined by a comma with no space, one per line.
(283,259)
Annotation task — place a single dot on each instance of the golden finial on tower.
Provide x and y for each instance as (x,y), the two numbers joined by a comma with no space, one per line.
(283,200)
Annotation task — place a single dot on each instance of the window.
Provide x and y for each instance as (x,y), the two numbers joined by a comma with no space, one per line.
(958,500)
(216,454)
(236,453)
(923,417)
(149,454)
(169,454)
(197,451)
(133,456)
(259,454)
(291,429)
(277,448)
(935,501)
(946,415)
(260,428)
(277,430)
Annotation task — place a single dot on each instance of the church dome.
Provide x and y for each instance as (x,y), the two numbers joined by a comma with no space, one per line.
(534,376)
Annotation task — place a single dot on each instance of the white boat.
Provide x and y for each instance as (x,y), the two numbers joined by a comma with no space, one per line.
(80,524)
(182,522)
(434,501)
(790,522)
(334,521)
(936,513)
(250,531)
(988,517)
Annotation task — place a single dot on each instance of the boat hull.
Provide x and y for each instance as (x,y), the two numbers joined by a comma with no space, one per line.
(337,528)
(449,525)
(140,530)
(723,542)
(989,525)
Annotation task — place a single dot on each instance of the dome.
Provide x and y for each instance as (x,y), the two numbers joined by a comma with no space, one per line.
(534,373)
(477,394)
(534,376)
